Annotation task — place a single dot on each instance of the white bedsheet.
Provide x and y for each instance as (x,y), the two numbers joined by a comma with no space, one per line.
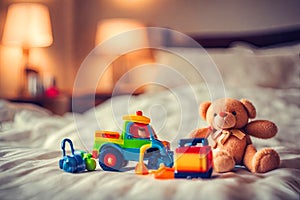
(30,150)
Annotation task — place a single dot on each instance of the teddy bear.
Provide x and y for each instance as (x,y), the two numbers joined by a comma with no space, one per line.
(229,134)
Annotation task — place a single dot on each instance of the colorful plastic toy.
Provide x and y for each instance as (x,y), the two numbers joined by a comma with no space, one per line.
(89,161)
(78,161)
(191,161)
(114,150)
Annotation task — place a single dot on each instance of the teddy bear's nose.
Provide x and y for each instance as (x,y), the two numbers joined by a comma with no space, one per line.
(222,114)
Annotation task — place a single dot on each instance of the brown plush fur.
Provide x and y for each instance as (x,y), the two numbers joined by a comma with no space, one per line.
(229,134)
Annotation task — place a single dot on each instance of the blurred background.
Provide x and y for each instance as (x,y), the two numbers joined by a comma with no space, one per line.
(77,26)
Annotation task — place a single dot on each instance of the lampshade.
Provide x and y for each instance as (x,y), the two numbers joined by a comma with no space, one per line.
(27,25)
(114,27)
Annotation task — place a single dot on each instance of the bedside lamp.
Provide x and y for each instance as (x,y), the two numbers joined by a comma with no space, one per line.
(108,28)
(27,26)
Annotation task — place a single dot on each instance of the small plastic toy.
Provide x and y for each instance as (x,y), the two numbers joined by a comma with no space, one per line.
(78,161)
(90,163)
(191,161)
(114,150)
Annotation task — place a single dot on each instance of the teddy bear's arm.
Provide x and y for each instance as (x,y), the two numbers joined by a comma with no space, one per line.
(261,129)
(201,133)
(248,139)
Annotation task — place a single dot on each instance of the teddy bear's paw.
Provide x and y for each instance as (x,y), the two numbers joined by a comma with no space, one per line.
(265,160)
(223,162)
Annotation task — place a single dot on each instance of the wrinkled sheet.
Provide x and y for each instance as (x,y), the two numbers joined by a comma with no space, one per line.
(30,149)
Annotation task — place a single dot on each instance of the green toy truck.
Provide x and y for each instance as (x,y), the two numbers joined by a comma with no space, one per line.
(114,150)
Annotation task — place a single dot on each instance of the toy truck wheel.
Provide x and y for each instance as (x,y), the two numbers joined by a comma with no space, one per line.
(208,174)
(125,162)
(153,162)
(110,160)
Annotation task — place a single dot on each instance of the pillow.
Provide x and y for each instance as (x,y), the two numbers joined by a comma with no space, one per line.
(8,110)
(268,67)
(239,65)
(175,70)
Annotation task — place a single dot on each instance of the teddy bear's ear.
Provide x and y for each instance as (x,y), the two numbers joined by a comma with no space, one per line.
(249,107)
(203,109)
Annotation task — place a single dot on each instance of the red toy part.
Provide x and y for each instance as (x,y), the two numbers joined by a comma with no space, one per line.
(139,113)
(110,160)
(107,134)
(95,154)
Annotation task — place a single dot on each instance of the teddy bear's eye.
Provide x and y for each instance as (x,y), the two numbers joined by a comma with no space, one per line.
(215,114)
(234,113)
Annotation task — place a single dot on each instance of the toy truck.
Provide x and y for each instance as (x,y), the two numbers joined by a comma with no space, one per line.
(193,159)
(114,150)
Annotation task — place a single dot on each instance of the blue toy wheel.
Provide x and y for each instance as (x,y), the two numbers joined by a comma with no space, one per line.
(70,164)
(153,162)
(208,173)
(125,162)
(110,159)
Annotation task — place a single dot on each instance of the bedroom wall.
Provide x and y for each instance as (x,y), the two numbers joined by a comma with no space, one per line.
(74,27)
(190,16)
(201,16)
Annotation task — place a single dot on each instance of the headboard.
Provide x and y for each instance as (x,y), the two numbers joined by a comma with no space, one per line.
(273,37)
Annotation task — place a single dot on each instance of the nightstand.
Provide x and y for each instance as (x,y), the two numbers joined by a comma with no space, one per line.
(84,102)
(57,105)
(63,103)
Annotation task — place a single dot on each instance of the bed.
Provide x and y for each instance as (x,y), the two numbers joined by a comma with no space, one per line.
(30,135)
